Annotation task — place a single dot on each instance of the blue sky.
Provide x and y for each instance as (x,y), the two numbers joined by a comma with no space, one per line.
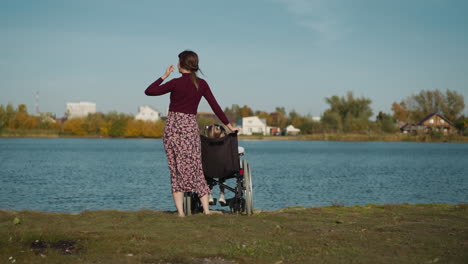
(262,53)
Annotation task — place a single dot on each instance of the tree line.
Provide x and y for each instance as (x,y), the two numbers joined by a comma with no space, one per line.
(345,114)
(112,124)
(350,114)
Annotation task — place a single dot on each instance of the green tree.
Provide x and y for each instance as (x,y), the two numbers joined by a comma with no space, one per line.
(310,126)
(332,121)
(461,123)
(204,121)
(454,105)
(386,122)
(281,110)
(118,123)
(234,111)
(9,112)
(94,123)
(347,114)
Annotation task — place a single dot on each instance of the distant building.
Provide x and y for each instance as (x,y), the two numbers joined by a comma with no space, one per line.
(291,130)
(430,123)
(274,131)
(253,125)
(147,113)
(316,118)
(80,109)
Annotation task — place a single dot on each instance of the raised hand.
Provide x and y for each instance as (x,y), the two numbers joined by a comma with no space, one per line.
(168,72)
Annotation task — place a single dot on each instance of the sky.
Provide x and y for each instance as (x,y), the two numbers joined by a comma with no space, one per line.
(260,53)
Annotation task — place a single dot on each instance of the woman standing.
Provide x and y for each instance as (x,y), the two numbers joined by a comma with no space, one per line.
(181,134)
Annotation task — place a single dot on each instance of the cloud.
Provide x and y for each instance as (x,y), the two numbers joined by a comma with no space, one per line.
(317,16)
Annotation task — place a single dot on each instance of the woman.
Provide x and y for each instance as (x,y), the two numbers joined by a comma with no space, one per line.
(181,134)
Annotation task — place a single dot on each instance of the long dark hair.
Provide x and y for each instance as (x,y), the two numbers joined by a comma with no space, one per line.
(189,61)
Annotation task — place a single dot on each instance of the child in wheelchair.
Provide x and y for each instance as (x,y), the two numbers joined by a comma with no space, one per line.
(221,161)
(216,131)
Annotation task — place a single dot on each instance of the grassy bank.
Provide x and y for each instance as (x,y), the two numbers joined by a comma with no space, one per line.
(317,137)
(364,137)
(29,133)
(370,234)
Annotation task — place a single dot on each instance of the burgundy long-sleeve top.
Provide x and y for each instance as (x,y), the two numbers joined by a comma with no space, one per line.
(185,97)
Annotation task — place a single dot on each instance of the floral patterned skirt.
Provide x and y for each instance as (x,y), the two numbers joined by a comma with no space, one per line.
(183,150)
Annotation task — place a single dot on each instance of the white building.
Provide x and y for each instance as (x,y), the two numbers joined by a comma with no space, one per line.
(253,124)
(291,130)
(80,109)
(147,113)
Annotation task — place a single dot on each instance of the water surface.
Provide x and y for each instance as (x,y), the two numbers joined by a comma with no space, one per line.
(72,175)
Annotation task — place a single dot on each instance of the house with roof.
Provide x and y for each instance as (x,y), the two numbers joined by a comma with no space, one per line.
(253,125)
(437,122)
(431,123)
(147,113)
(291,130)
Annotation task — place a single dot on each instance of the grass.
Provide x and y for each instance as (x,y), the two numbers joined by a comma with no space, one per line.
(425,233)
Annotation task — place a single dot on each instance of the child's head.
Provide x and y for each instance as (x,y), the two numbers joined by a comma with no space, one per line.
(214,131)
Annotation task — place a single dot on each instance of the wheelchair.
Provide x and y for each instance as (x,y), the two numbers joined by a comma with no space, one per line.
(222,160)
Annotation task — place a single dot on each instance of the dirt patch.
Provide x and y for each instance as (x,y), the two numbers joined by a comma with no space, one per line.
(215,260)
(64,247)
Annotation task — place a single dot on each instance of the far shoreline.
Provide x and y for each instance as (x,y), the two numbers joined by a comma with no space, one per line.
(311,137)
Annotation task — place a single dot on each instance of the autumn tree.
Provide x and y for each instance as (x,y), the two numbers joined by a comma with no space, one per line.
(3,119)
(134,128)
(75,126)
(246,111)
(415,107)
(20,119)
(153,129)
(278,118)
(400,112)
(262,114)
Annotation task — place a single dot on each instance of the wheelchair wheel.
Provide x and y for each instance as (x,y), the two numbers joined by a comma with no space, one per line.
(248,188)
(192,204)
(187,204)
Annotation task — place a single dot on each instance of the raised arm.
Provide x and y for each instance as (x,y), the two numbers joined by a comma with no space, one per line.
(215,106)
(157,89)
